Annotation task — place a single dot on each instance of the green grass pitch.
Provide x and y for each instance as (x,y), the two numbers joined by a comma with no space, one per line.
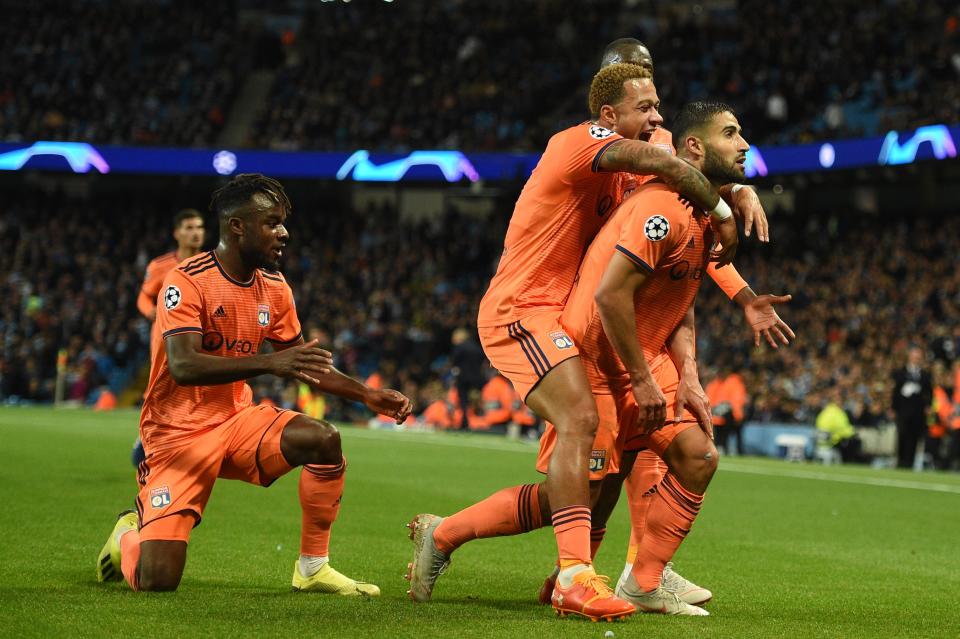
(789,550)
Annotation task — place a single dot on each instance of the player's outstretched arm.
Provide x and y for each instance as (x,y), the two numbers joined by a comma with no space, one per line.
(763,318)
(690,395)
(190,366)
(758,309)
(381,401)
(384,402)
(614,298)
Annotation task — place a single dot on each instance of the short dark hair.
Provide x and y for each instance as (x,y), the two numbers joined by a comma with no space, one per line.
(615,49)
(693,115)
(185,214)
(238,191)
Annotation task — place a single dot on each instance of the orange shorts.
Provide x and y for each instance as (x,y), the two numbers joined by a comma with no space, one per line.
(617,431)
(526,350)
(178,480)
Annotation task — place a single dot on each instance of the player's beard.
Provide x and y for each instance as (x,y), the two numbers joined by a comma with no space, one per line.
(717,170)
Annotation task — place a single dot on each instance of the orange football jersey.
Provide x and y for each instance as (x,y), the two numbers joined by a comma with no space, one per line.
(667,238)
(234,318)
(562,206)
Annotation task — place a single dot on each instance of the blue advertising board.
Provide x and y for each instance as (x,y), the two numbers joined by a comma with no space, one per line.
(934,142)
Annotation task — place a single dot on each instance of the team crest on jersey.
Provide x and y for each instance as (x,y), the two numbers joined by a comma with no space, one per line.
(171,297)
(263,315)
(656,228)
(599,132)
(160,497)
(598,460)
(561,340)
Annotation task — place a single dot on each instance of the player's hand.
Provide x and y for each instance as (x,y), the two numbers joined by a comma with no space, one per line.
(746,206)
(652,404)
(690,396)
(726,232)
(764,321)
(390,403)
(305,362)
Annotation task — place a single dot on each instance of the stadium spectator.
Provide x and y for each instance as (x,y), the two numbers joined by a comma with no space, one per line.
(468,367)
(912,396)
(836,430)
(728,401)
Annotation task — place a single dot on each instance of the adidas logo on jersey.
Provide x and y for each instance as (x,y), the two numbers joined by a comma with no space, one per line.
(219,313)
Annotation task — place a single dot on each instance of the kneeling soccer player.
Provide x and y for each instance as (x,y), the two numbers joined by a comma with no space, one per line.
(198,422)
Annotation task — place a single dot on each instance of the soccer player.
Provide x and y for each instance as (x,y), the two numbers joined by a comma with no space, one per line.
(198,422)
(582,176)
(759,313)
(641,364)
(189,233)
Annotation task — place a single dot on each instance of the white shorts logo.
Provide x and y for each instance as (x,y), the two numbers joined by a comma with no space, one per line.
(171,297)
(656,228)
(599,133)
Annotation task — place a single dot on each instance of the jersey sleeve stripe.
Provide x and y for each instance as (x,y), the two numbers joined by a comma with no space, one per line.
(285,343)
(197,271)
(200,258)
(636,260)
(271,277)
(596,159)
(182,329)
(198,265)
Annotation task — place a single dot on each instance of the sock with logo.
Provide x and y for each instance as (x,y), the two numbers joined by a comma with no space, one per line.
(321,488)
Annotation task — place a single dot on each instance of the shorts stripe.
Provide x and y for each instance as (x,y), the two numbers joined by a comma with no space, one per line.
(538,367)
(546,362)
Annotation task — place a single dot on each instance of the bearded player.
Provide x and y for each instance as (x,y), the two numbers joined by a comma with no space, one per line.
(640,361)
(198,421)
(582,176)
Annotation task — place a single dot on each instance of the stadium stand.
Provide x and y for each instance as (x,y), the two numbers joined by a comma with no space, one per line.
(472,76)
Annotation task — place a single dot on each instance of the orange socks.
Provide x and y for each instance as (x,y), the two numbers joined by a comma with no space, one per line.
(130,557)
(668,522)
(647,472)
(511,511)
(571,525)
(321,487)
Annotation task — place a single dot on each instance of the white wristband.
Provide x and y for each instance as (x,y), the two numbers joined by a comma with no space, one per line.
(737,187)
(721,212)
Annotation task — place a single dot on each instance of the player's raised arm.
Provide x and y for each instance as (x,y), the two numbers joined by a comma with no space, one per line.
(615,303)
(690,395)
(747,206)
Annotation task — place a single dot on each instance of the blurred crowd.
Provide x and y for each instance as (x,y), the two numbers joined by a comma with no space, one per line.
(494,75)
(118,72)
(396,302)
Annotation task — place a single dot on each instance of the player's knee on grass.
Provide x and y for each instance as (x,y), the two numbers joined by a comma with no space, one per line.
(161,565)
(693,460)
(310,441)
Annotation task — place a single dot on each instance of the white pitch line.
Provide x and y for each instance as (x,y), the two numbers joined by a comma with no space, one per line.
(846,479)
(452,442)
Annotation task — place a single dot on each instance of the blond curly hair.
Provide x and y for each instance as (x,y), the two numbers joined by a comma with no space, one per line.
(607,85)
